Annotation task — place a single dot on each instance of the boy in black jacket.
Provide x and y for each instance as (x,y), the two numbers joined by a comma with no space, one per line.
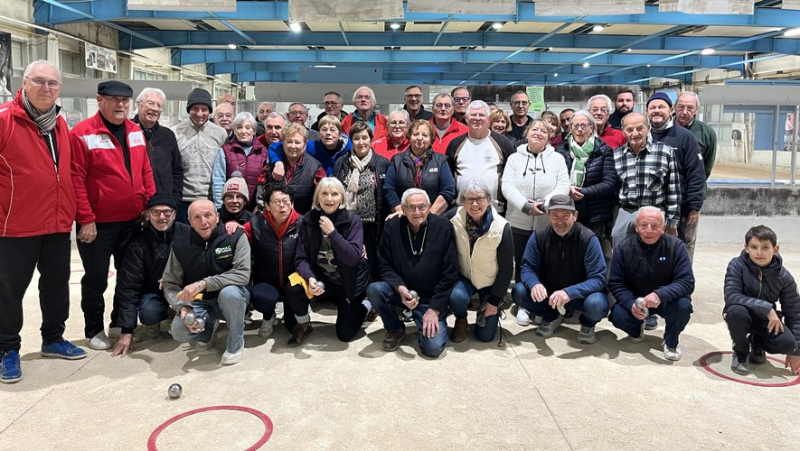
(755,281)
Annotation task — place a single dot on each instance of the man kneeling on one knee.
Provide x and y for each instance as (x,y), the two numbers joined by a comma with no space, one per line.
(655,267)
(206,273)
(563,268)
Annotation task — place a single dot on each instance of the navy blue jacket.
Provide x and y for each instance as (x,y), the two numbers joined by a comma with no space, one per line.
(690,166)
(600,184)
(437,179)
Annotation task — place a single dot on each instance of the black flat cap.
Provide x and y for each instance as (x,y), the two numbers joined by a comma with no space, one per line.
(114,88)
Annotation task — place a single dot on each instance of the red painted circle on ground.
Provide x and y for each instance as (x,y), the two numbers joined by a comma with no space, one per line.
(151,442)
(705,365)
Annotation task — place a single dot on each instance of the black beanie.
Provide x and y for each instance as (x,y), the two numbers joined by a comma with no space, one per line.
(162,199)
(199,96)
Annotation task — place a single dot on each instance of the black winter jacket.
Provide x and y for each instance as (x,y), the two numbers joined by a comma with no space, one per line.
(689,165)
(760,289)
(600,184)
(142,268)
(165,159)
(380,165)
(273,258)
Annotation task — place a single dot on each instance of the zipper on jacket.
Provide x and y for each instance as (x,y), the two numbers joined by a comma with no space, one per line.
(760,277)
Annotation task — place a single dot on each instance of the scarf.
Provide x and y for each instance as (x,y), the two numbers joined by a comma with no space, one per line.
(357,165)
(474,230)
(45,121)
(580,156)
(419,164)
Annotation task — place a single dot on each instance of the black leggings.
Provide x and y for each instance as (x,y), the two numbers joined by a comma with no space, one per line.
(350,316)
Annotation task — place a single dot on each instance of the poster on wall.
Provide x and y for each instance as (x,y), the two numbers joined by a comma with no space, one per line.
(101,58)
(5,64)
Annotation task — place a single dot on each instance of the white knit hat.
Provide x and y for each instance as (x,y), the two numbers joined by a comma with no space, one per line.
(236,184)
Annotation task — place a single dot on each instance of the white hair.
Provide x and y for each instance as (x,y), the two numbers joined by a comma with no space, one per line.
(651,209)
(604,97)
(241,118)
(36,63)
(371,93)
(147,91)
(692,95)
(403,112)
(414,192)
(478,105)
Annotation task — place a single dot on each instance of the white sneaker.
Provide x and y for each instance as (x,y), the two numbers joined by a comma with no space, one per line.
(229,358)
(278,308)
(210,343)
(523,317)
(267,327)
(100,342)
(673,354)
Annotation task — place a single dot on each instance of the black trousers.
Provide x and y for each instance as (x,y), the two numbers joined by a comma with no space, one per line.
(350,313)
(112,239)
(521,238)
(742,322)
(18,259)
(371,239)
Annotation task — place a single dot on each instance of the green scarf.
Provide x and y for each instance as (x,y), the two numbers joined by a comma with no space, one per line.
(580,154)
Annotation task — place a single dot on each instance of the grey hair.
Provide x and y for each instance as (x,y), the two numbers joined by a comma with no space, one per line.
(403,112)
(477,105)
(692,95)
(241,117)
(474,186)
(651,209)
(328,182)
(413,192)
(33,65)
(371,93)
(604,97)
(274,115)
(442,95)
(147,91)
(305,110)
(586,115)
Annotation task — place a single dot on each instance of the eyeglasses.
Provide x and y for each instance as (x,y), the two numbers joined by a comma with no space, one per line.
(281,202)
(443,106)
(52,84)
(521,102)
(364,97)
(167,213)
(598,110)
(331,103)
(688,108)
(398,124)
(419,207)
(461,99)
(297,113)
(475,200)
(153,105)
(580,126)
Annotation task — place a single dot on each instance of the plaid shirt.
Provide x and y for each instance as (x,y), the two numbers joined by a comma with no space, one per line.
(649,179)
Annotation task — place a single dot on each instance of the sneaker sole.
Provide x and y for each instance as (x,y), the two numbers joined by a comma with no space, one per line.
(53,355)
(523,323)
(11,381)
(587,341)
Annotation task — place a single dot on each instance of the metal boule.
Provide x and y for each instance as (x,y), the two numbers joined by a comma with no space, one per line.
(175,391)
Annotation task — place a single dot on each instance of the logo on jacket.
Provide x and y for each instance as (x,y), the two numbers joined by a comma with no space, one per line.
(136,139)
(433,170)
(224,252)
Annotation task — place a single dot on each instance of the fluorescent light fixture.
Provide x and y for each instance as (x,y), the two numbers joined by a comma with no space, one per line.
(792,32)
(629,50)
(708,51)
(325,66)
(586,64)
(232,46)
(394,26)
(598,28)
(295,27)
(648,65)
(555,74)
(497,25)
(550,49)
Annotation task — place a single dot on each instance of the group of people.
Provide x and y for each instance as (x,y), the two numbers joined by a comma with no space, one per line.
(406,217)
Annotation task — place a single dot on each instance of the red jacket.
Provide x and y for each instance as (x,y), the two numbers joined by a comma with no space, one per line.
(613,137)
(103,187)
(456,129)
(385,148)
(36,198)
(381,125)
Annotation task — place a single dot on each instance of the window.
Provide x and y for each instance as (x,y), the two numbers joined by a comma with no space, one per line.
(71,63)
(139,74)
(19,57)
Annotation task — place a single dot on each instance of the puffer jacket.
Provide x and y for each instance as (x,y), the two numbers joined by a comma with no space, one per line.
(599,183)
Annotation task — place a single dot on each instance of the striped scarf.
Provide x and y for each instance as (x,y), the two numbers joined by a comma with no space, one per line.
(45,121)
(580,155)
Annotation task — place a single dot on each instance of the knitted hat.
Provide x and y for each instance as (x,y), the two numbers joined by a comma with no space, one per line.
(162,199)
(660,96)
(561,202)
(199,97)
(236,184)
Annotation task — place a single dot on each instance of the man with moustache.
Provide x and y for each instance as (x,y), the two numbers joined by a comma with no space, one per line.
(446,127)
(199,141)
(564,118)
(113,181)
(332,103)
(298,113)
(414,104)
(261,115)
(138,291)
(162,147)
(462,97)
(364,100)
(520,118)
(624,104)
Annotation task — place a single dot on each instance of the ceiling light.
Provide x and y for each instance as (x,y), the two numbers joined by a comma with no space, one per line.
(325,66)
(598,28)
(648,65)
(629,50)
(394,26)
(555,74)
(550,49)
(232,46)
(295,27)
(708,51)
(792,32)
(586,64)
(497,25)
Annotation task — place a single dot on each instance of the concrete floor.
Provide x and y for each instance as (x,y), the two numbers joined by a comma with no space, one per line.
(533,394)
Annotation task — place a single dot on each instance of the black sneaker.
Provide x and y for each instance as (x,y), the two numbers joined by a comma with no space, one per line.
(739,365)
(758,356)
(392,339)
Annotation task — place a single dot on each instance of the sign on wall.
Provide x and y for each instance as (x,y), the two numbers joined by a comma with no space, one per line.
(5,63)
(183,5)
(101,58)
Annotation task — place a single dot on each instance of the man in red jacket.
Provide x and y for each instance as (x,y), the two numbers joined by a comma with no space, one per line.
(37,207)
(113,181)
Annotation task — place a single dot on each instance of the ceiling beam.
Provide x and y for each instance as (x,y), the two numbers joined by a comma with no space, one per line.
(89,17)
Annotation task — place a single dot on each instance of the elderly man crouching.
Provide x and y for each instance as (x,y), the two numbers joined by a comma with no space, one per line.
(485,261)
(417,253)
(206,275)
(563,268)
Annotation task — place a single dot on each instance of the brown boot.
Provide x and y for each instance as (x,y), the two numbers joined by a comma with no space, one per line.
(459,330)
(299,334)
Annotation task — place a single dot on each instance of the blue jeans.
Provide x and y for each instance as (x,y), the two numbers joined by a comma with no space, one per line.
(676,314)
(229,306)
(459,302)
(593,308)
(387,302)
(153,309)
